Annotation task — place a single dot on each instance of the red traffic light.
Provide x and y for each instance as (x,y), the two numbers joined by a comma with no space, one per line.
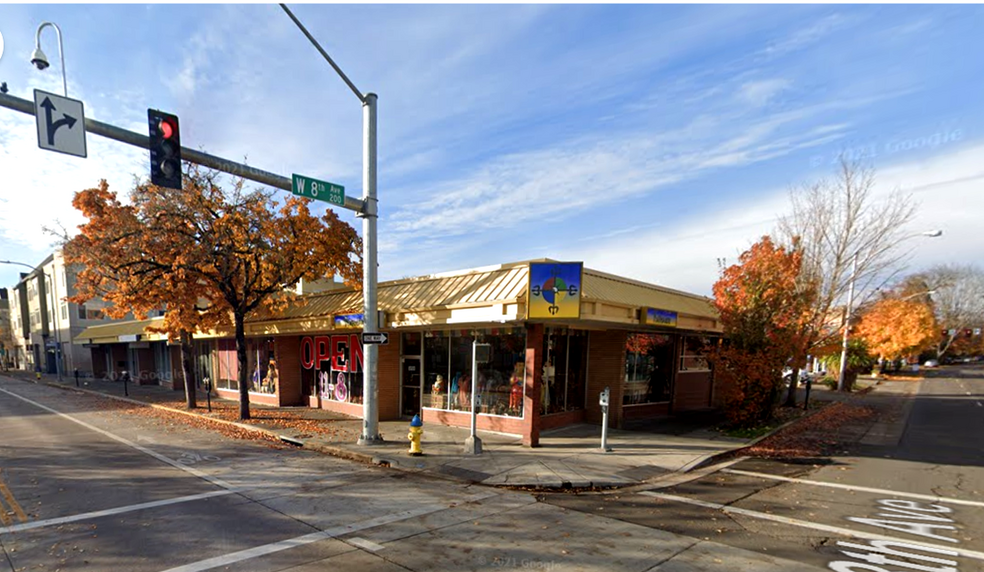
(167,129)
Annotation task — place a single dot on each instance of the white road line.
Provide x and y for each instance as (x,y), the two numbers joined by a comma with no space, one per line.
(111,511)
(257,551)
(215,481)
(812,525)
(366,544)
(886,492)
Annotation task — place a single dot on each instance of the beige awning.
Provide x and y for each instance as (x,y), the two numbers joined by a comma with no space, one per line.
(488,295)
(120,332)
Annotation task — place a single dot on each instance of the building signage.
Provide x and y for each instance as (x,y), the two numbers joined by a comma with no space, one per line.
(554,290)
(129,337)
(349,320)
(655,317)
(337,365)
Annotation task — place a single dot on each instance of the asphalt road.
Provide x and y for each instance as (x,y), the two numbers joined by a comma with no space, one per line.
(923,487)
(89,484)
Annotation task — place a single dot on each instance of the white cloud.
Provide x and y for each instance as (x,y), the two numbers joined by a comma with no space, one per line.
(760,93)
(684,255)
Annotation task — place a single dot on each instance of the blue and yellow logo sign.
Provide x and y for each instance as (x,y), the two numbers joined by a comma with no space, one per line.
(554,290)
(656,317)
(343,321)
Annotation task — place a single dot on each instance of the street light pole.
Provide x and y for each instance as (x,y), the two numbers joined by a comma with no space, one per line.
(369,214)
(850,302)
(61,53)
(847,323)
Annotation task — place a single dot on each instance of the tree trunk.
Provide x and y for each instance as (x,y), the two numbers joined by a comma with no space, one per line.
(240,320)
(187,352)
(791,394)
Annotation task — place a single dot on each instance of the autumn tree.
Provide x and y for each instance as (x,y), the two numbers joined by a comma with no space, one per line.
(761,302)
(898,326)
(958,299)
(832,221)
(212,257)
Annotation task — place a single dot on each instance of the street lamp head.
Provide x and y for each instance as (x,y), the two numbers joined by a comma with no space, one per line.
(39,59)
(933,233)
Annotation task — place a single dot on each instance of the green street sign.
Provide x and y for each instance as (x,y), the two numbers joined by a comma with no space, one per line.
(318,190)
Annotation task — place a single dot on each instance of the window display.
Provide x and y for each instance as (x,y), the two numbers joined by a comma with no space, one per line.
(499,383)
(648,368)
(565,358)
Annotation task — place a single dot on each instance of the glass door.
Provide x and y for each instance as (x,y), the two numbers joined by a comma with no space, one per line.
(410,386)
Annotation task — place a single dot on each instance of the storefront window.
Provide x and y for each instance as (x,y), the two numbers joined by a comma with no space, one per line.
(332,366)
(648,368)
(448,364)
(565,358)
(228,365)
(262,363)
(694,356)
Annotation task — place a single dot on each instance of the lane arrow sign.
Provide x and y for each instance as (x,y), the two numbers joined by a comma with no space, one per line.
(53,126)
(53,112)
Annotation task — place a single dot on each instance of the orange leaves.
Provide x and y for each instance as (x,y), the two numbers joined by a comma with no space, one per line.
(762,307)
(896,328)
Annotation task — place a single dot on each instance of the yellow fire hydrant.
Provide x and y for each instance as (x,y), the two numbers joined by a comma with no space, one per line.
(416,431)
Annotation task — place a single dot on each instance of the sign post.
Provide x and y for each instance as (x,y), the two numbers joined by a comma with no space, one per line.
(480,353)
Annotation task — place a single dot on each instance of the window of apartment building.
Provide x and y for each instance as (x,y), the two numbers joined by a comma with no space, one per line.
(81,309)
(64,311)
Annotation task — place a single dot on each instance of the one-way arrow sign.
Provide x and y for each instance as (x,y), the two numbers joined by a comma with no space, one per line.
(375,338)
(60,122)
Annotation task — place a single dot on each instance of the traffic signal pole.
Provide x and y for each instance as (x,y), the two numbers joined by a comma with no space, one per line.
(190,155)
(365,208)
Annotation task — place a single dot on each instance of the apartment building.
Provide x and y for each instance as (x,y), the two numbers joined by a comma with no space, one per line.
(43,323)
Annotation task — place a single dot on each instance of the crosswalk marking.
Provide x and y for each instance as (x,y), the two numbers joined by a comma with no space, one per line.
(887,492)
(807,524)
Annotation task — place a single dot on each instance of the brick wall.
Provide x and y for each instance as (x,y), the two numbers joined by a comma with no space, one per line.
(692,391)
(288,352)
(606,367)
(388,375)
(534,373)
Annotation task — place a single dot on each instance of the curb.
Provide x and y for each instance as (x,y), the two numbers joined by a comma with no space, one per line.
(327,449)
(711,458)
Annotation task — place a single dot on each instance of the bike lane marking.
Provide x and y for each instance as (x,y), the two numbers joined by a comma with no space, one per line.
(811,525)
(112,511)
(887,492)
(215,481)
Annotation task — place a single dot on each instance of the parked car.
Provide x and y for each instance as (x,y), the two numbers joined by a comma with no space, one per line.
(931,363)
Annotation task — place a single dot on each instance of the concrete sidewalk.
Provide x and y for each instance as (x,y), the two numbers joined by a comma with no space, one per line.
(567,457)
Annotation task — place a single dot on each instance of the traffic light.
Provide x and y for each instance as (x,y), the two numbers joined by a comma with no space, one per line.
(165,149)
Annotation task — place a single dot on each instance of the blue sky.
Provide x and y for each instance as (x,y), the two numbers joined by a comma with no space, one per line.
(644,140)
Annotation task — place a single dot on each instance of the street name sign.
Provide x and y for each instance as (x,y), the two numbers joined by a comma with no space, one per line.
(319,190)
(61,123)
(375,338)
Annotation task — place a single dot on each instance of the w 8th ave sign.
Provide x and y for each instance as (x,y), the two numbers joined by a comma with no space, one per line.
(318,190)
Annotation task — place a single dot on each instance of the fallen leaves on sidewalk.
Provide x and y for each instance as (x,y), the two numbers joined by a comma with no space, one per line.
(817,435)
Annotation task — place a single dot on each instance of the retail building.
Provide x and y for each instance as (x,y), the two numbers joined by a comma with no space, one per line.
(555,335)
